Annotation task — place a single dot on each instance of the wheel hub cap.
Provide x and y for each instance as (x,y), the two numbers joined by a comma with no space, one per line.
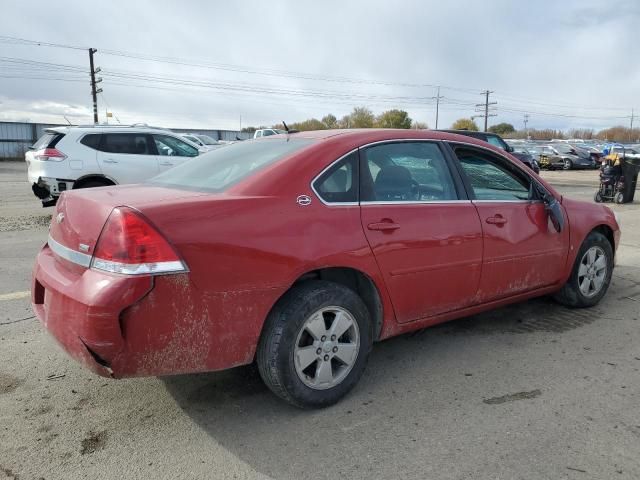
(592,271)
(326,348)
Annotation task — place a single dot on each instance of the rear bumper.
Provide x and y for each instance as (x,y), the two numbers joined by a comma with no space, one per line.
(81,309)
(49,189)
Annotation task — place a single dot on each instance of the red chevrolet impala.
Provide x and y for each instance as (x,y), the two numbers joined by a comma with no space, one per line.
(300,251)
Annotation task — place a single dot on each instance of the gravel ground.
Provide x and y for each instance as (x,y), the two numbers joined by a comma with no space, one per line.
(531,391)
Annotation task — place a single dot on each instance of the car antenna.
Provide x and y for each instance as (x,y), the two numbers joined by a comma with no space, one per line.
(285,126)
(65,117)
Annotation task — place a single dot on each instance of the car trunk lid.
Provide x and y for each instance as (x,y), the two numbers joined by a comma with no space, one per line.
(81,215)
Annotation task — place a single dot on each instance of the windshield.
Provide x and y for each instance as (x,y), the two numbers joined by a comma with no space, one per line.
(219,169)
(207,140)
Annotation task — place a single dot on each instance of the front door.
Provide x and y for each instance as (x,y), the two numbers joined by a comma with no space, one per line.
(424,233)
(522,250)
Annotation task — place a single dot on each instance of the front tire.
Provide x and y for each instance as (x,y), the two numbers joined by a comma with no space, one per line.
(315,344)
(591,273)
(568,164)
(598,197)
(619,198)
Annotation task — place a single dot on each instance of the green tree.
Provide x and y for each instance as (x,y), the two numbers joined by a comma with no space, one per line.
(330,121)
(419,125)
(465,124)
(361,117)
(310,124)
(502,128)
(393,119)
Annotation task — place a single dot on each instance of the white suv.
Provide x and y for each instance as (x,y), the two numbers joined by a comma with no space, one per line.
(66,158)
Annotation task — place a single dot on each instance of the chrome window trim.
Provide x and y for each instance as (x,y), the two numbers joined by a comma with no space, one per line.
(415,202)
(67,253)
(378,142)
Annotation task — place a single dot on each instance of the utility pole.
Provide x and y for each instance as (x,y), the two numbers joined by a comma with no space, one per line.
(486,105)
(438,97)
(526,120)
(94,90)
(631,128)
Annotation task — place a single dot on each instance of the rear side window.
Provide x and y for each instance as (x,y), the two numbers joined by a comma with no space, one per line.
(491,178)
(339,184)
(219,169)
(92,141)
(48,140)
(126,143)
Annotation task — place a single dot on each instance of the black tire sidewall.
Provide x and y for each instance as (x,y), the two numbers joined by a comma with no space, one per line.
(304,301)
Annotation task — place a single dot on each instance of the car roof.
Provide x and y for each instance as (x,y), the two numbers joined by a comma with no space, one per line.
(109,128)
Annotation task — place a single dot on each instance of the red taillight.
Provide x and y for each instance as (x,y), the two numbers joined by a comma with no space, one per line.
(49,154)
(129,245)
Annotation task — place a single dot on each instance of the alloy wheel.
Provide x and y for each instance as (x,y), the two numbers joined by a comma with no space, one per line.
(326,348)
(592,271)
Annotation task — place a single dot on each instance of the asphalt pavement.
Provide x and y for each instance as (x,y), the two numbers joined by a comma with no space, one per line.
(530,391)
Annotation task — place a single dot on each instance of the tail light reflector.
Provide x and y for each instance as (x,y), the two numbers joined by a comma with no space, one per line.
(129,245)
(47,154)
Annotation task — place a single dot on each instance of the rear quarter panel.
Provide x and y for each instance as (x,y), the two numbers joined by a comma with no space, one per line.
(243,254)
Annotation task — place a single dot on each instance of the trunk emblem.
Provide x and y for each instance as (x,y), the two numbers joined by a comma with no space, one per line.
(303,200)
(83,247)
(60,217)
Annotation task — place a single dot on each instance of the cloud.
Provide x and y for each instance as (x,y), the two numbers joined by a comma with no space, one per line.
(568,64)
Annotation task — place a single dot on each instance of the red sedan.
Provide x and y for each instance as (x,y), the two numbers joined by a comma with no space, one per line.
(300,251)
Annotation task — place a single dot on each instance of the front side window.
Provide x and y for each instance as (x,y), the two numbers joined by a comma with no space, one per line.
(406,172)
(491,178)
(339,183)
(125,143)
(172,147)
(496,142)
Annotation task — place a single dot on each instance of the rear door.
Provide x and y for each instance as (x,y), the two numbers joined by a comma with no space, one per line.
(172,151)
(424,232)
(522,250)
(127,157)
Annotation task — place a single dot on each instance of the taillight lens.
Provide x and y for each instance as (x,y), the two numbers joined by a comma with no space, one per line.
(49,154)
(129,245)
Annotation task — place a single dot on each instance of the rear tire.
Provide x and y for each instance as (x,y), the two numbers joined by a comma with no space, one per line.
(568,164)
(619,198)
(299,357)
(598,197)
(591,273)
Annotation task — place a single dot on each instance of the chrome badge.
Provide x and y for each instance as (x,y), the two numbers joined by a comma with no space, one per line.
(303,200)
(60,217)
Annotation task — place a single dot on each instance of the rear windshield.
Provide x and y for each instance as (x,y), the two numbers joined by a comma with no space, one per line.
(48,140)
(218,170)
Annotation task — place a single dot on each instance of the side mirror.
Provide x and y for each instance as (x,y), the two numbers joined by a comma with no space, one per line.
(555,213)
(509,149)
(552,206)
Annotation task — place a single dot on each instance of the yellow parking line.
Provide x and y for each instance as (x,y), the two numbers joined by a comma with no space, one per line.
(14,295)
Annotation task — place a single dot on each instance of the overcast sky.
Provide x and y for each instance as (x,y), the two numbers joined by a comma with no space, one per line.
(570,63)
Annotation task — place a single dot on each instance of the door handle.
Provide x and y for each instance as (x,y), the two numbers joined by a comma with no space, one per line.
(383,226)
(166,164)
(496,220)
(110,160)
